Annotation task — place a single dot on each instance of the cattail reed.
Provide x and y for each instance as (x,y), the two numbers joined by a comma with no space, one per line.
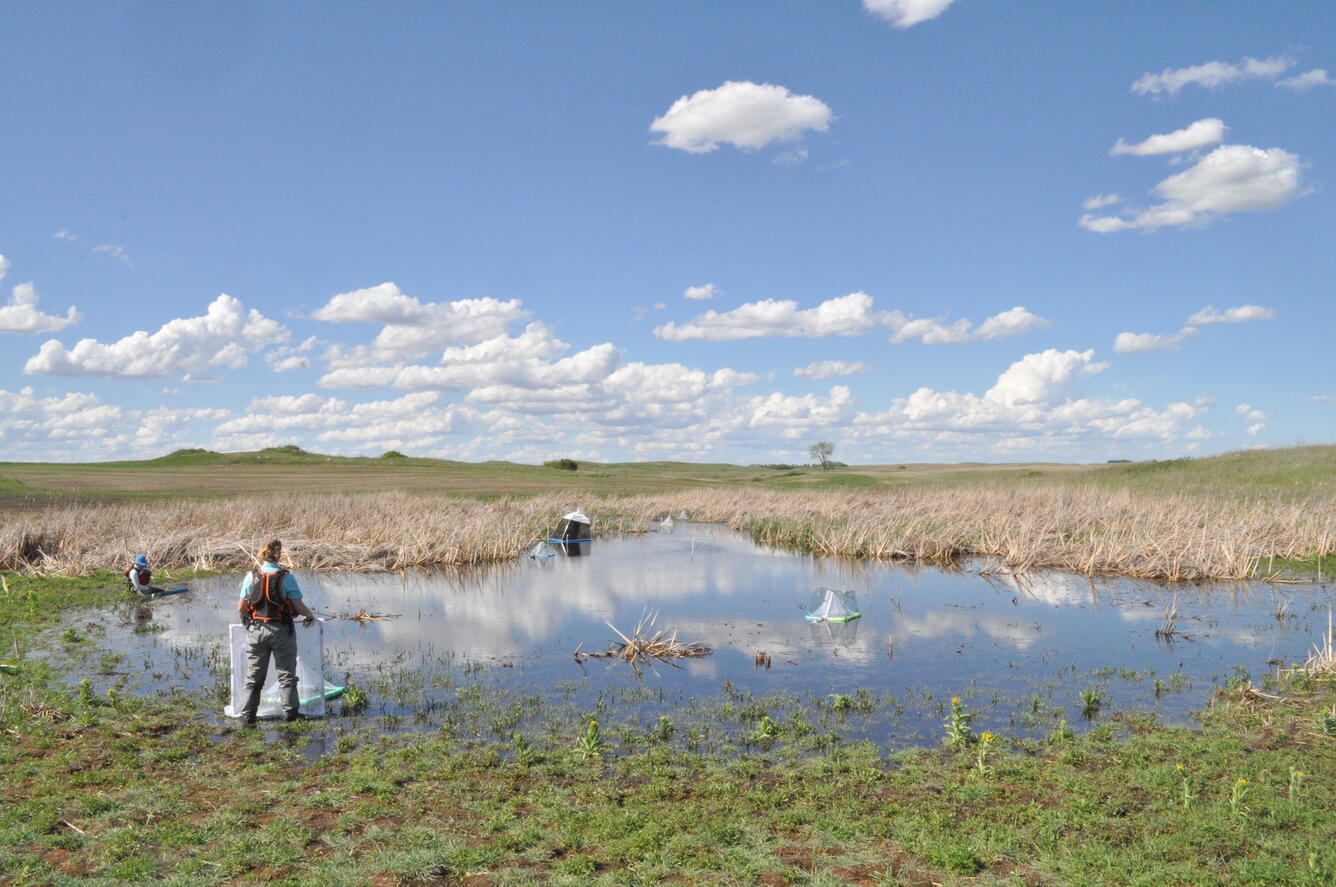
(1086,529)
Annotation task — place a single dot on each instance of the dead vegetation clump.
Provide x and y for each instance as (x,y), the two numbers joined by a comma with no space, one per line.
(643,647)
(1322,661)
(1168,628)
(362,616)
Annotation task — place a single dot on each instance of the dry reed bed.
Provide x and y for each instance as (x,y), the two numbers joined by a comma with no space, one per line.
(1082,529)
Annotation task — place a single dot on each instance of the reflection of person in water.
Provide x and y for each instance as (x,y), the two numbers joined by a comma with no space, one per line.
(139,577)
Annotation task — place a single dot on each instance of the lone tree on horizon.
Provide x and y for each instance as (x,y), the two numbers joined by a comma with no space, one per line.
(821,451)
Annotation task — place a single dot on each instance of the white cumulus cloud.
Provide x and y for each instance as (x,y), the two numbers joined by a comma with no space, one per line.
(1043,378)
(21,315)
(77,427)
(829,369)
(1232,178)
(798,414)
(191,348)
(1307,80)
(116,252)
(1036,405)
(1240,314)
(932,331)
(1250,413)
(850,315)
(1100,201)
(523,362)
(412,329)
(1211,75)
(705,291)
(1133,343)
(907,13)
(740,113)
(1136,343)
(414,421)
(1209,131)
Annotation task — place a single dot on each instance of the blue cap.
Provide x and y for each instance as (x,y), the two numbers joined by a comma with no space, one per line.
(140,560)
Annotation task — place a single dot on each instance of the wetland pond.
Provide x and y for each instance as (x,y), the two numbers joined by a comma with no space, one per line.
(482,653)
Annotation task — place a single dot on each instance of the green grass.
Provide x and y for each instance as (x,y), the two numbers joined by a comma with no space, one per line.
(1297,472)
(144,795)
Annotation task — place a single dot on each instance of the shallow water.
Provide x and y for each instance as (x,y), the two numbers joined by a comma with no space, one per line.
(1018,650)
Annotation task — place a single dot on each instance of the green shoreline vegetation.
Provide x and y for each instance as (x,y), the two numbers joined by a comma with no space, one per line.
(108,788)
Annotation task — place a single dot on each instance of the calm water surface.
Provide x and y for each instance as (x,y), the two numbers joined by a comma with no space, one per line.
(1019,650)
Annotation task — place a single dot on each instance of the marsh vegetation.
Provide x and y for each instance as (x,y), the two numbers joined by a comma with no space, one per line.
(1089,530)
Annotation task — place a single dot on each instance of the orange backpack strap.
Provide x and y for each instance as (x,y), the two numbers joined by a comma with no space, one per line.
(266,601)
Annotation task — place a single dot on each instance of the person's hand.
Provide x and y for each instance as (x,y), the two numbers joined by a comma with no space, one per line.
(308,621)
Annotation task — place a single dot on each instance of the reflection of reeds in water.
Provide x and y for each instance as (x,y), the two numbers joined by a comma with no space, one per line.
(642,646)
(1087,530)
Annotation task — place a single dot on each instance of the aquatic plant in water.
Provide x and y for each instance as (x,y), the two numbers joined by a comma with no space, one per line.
(958,724)
(354,699)
(663,729)
(764,732)
(590,743)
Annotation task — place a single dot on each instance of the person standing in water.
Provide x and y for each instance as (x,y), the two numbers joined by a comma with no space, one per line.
(270,599)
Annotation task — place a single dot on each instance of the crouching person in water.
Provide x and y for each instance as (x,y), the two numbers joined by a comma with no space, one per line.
(269,600)
(139,577)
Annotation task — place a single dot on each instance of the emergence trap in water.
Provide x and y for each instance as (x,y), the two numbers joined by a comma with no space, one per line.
(832,605)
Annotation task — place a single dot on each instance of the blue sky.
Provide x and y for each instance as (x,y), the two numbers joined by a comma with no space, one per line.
(923,230)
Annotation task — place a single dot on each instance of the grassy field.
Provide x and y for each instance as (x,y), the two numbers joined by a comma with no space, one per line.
(116,790)
(193,474)
(1293,473)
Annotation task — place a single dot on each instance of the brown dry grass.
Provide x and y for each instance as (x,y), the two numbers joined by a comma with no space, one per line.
(1085,529)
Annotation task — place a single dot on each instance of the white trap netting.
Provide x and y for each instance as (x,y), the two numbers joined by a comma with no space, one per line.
(832,605)
(312,688)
